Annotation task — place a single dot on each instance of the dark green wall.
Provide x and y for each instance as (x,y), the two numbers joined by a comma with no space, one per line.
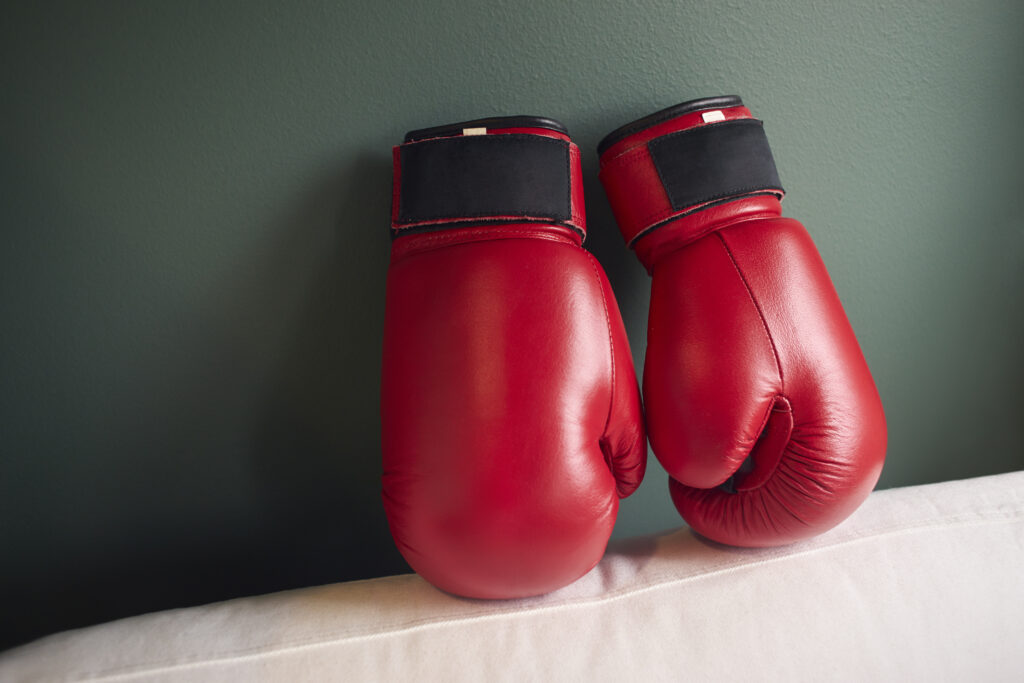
(194,200)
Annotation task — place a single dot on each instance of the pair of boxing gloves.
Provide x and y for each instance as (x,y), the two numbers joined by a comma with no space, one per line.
(512,420)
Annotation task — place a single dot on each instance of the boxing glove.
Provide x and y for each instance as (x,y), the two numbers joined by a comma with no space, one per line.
(510,409)
(758,400)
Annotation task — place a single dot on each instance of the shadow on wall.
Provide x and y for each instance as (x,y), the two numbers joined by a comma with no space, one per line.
(316,460)
(253,465)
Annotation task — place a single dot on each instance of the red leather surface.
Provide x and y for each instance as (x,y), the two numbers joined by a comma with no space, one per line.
(754,375)
(511,413)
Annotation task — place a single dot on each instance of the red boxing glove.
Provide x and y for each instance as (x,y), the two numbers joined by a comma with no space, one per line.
(511,413)
(759,402)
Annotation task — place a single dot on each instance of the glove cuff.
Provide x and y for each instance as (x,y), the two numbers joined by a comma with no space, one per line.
(685,159)
(516,169)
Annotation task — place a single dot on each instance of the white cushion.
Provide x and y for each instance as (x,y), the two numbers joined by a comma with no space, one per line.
(922,583)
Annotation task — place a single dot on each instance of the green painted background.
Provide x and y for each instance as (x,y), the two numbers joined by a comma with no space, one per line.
(194,200)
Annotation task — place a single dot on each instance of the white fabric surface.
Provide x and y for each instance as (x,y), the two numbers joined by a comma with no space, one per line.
(921,584)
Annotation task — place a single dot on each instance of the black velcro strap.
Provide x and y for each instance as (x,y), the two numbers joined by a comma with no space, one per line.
(712,162)
(484,176)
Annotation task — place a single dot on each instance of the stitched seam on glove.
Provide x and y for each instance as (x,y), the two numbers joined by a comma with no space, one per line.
(757,306)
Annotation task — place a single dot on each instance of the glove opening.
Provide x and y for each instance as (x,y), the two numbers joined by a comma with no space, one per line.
(767,452)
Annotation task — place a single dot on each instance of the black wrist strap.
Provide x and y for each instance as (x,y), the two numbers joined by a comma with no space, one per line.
(712,162)
(502,177)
